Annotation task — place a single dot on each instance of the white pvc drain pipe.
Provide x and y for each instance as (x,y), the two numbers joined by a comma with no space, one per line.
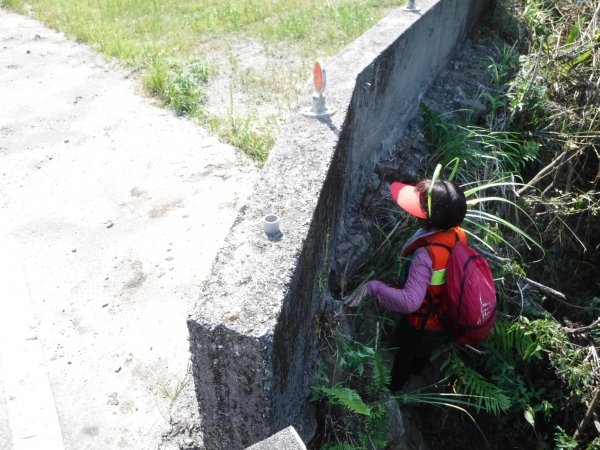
(271,224)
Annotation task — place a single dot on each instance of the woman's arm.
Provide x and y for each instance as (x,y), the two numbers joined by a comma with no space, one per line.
(409,299)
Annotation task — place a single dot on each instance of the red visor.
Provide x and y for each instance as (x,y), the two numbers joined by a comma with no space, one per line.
(408,199)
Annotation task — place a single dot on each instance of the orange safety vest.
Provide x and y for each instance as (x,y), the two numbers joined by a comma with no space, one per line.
(437,245)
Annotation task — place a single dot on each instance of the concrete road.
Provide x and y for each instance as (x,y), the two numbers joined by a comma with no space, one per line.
(111,212)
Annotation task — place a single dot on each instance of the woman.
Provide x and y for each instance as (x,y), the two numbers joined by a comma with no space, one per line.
(422,275)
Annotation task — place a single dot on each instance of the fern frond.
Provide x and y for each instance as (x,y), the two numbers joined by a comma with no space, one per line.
(381,375)
(511,336)
(377,425)
(348,398)
(485,395)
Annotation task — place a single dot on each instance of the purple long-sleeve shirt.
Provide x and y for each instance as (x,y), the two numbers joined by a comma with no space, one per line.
(409,299)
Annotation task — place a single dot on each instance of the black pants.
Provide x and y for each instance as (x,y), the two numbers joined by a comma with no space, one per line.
(415,348)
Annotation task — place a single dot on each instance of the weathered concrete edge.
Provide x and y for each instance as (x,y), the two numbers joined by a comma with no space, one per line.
(253,330)
(286,439)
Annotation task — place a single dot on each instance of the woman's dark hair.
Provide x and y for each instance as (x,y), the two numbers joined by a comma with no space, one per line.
(448,204)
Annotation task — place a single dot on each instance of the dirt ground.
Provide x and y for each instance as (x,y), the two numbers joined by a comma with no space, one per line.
(111,213)
(263,83)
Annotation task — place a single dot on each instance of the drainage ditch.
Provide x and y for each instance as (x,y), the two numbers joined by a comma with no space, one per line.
(377,224)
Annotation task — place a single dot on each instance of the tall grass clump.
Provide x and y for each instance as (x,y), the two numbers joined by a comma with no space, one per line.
(16,5)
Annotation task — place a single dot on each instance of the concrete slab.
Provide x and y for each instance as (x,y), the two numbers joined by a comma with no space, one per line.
(286,439)
(111,213)
(31,410)
(5,434)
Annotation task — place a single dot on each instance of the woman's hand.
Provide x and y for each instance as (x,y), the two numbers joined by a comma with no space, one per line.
(354,299)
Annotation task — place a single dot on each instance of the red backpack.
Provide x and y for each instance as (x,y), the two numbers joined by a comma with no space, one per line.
(468,306)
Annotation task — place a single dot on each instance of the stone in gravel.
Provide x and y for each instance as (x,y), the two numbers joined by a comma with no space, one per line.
(112,399)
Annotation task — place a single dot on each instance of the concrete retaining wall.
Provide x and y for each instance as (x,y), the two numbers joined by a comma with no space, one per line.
(253,331)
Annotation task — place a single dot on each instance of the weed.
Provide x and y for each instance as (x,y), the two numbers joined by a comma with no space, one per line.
(16,5)
(172,389)
(246,133)
(476,147)
(176,387)
(184,92)
(366,419)
(486,395)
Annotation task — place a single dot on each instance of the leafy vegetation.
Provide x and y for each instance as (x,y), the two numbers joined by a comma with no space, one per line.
(357,408)
(533,163)
(351,408)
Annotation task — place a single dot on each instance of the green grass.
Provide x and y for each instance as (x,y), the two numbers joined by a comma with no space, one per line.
(168,37)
